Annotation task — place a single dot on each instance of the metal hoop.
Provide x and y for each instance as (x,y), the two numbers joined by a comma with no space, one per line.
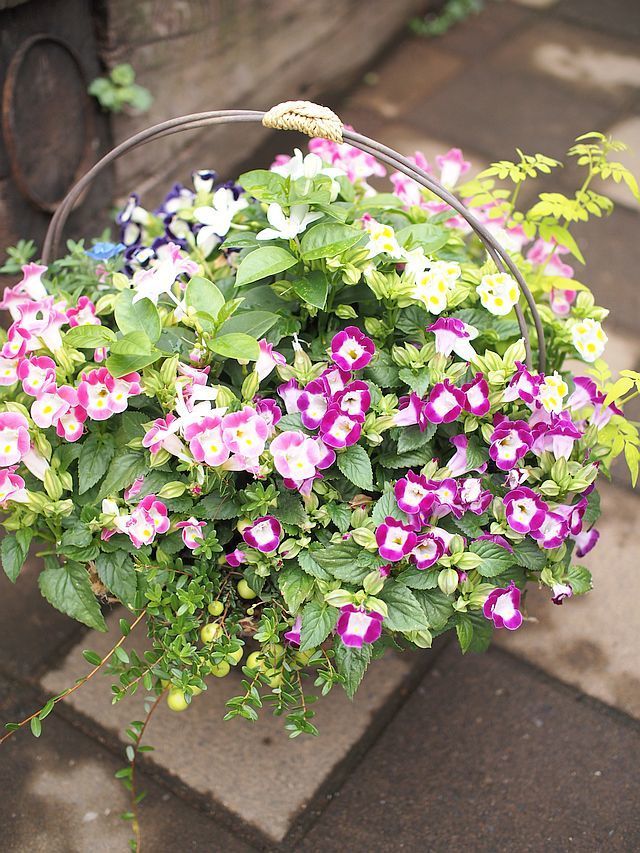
(386,155)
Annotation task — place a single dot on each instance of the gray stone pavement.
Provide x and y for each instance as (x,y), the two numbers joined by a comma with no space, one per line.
(439,752)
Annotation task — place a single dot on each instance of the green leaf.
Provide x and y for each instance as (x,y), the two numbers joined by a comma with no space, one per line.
(416,578)
(318,620)
(295,586)
(264,185)
(387,505)
(411,459)
(328,239)
(340,555)
(495,558)
(464,630)
(351,664)
(437,607)
(89,337)
(204,295)
(308,564)
(217,507)
(13,551)
(404,610)
(36,727)
(254,323)
(95,456)
(340,514)
(130,353)
(262,263)
(424,234)
(592,512)
(291,510)
(413,438)
(355,464)
(92,657)
(417,380)
(383,371)
(68,589)
(313,288)
(140,316)
(529,554)
(580,579)
(236,345)
(124,469)
(116,572)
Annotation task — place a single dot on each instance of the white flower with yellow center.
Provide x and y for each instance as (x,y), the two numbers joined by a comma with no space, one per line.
(552,393)
(382,239)
(433,285)
(498,293)
(589,339)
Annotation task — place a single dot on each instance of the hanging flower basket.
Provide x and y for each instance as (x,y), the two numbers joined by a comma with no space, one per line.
(298,410)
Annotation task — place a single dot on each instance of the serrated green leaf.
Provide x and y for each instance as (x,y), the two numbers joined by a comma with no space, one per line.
(96,454)
(355,464)
(217,507)
(124,469)
(404,610)
(437,607)
(413,438)
(308,564)
(387,505)
(416,578)
(351,663)
(529,554)
(117,573)
(495,558)
(318,620)
(13,551)
(68,589)
(295,586)
(580,579)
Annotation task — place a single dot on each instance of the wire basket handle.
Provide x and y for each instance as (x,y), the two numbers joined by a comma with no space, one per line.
(316,121)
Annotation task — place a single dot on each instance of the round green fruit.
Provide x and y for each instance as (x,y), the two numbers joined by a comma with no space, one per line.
(176,700)
(210,632)
(256,661)
(304,657)
(237,655)
(245,591)
(220,669)
(216,608)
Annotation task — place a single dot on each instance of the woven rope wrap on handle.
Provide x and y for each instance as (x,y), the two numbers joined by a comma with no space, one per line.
(305,117)
(313,120)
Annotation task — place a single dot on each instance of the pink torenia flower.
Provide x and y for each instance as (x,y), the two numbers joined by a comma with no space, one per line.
(354,399)
(335,380)
(558,437)
(476,395)
(192,532)
(290,392)
(16,344)
(453,335)
(459,462)
(70,421)
(561,301)
(408,190)
(206,441)
(339,429)
(445,403)
(43,321)
(523,385)
(245,432)
(157,512)
(549,254)
(11,487)
(236,558)
(560,591)
(502,606)
(8,371)
(293,634)
(357,626)
(395,539)
(510,442)
(497,540)
(452,167)
(412,494)
(295,455)
(552,532)
(84,313)
(134,489)
(585,541)
(427,551)
(269,411)
(29,288)
(162,436)
(313,404)
(525,510)
(159,278)
(140,527)
(267,360)
(37,374)
(446,497)
(409,410)
(354,163)
(14,438)
(351,349)
(264,534)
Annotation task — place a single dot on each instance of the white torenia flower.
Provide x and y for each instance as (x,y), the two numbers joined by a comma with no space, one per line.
(552,392)
(216,220)
(589,339)
(382,239)
(433,285)
(287,227)
(498,293)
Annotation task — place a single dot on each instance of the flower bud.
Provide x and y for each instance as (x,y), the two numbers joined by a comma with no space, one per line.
(339,597)
(172,490)
(168,370)
(365,537)
(250,386)
(358,517)
(448,581)
(345,312)
(373,583)
(225,396)
(52,484)
(158,459)
(456,544)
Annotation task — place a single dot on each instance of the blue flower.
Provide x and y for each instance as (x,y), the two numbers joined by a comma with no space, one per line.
(105,251)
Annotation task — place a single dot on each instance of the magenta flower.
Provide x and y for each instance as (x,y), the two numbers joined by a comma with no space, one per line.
(14,438)
(295,455)
(269,411)
(83,314)
(427,551)
(473,497)
(560,591)
(192,532)
(236,558)
(30,287)
(290,392)
(157,512)
(351,349)
(162,436)
(459,462)
(523,385)
(335,380)
(134,489)
(445,403)
(16,344)
(552,532)
(453,335)
(339,429)
(497,540)
(502,607)
(510,442)
(245,432)
(355,399)
(558,437)
(446,497)
(94,393)
(412,494)
(313,404)
(11,487)
(476,395)
(409,410)
(395,539)
(452,167)
(140,527)
(70,422)
(585,541)
(267,360)
(525,510)
(47,408)
(356,625)
(264,534)
(573,514)
(42,320)
(206,442)
(293,634)
(37,374)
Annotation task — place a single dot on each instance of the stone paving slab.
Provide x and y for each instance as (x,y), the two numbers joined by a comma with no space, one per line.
(591,642)
(488,755)
(272,777)
(620,17)
(60,796)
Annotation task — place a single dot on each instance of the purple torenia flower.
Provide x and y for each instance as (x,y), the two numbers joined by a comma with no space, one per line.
(313,404)
(351,349)
(502,607)
(525,510)
(559,436)
(357,626)
(560,591)
(446,494)
(473,497)
(453,335)
(395,540)
(264,534)
(496,539)
(573,514)
(339,429)
(445,403)
(293,634)
(428,550)
(290,392)
(192,532)
(354,399)
(295,455)
(585,541)
(335,380)
(409,410)
(523,385)
(236,558)
(459,462)
(412,494)
(552,532)
(476,394)
(510,442)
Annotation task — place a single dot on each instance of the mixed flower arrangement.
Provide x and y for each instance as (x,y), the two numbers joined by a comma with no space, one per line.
(295,411)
